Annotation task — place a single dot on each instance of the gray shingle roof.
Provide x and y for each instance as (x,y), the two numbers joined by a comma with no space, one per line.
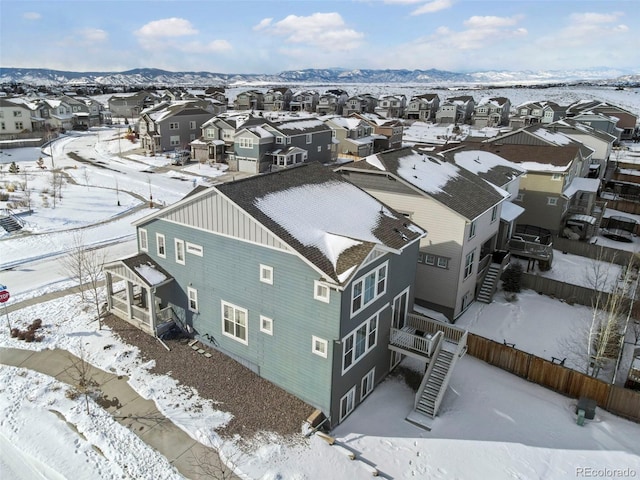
(332,208)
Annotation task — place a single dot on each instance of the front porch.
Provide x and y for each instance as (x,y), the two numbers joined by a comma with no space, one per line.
(137,301)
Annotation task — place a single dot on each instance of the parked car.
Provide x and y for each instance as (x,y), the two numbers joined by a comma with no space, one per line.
(181,157)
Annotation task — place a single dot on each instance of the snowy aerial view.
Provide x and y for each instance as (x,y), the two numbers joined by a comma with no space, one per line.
(213,275)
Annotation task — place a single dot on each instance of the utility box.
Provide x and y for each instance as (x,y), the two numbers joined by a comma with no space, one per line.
(588,405)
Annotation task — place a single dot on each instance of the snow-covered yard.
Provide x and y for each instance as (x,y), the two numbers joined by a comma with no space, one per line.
(492,424)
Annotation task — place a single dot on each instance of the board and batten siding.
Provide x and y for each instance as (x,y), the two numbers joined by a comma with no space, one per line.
(214,213)
(229,271)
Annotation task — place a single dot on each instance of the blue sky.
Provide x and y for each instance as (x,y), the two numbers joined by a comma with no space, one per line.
(269,36)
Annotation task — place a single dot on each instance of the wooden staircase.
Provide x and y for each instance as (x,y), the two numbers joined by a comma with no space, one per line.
(489,283)
(435,382)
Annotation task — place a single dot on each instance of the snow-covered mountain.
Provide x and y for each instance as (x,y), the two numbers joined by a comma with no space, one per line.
(157,77)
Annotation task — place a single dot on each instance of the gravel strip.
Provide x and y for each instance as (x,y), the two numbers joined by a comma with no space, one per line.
(256,404)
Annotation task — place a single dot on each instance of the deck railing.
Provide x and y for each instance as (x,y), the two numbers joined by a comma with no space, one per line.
(460,351)
(523,246)
(427,374)
(417,343)
(428,325)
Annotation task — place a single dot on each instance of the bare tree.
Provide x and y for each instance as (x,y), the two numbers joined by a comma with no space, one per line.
(57,180)
(609,321)
(220,465)
(85,264)
(80,373)
(73,261)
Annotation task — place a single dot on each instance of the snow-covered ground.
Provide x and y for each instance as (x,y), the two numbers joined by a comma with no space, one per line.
(492,424)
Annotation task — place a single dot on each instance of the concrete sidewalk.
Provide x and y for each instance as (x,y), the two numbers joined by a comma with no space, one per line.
(129,409)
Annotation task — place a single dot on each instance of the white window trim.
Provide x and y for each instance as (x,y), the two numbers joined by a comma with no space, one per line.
(194,249)
(552,201)
(446,262)
(164,245)
(269,330)
(192,294)
(371,375)
(472,230)
(246,316)
(317,340)
(471,254)
(368,348)
(263,270)
(317,284)
(377,295)
(351,394)
(144,244)
(179,244)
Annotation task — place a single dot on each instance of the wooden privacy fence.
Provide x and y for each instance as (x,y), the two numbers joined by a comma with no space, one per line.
(566,291)
(591,250)
(620,401)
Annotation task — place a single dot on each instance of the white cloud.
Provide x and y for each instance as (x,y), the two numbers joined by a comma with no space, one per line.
(167,27)
(478,22)
(588,30)
(219,46)
(93,35)
(323,31)
(31,16)
(264,23)
(434,6)
(591,18)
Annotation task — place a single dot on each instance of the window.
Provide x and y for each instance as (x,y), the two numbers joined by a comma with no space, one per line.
(347,403)
(468,264)
(266,274)
(368,288)
(192,125)
(288,140)
(193,299)
(520,197)
(443,262)
(494,213)
(3,126)
(360,342)
(160,244)
(366,386)
(143,241)
(192,137)
(472,229)
(319,346)
(309,138)
(319,148)
(19,126)
(173,126)
(556,176)
(266,325)
(174,140)
(553,201)
(210,133)
(17,113)
(430,259)
(194,249)
(320,291)
(234,322)
(245,142)
(179,251)
(279,140)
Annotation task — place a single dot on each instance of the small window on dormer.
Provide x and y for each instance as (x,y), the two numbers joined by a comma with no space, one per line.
(320,292)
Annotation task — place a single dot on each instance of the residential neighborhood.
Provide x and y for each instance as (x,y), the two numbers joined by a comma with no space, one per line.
(350,232)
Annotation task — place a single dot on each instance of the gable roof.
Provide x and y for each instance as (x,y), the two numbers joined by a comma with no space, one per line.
(454,187)
(329,221)
(487,165)
(535,158)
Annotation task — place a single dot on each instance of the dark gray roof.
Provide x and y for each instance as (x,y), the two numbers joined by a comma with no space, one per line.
(464,192)
(390,229)
(142,260)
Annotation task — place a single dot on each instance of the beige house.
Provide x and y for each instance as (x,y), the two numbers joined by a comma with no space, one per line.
(460,212)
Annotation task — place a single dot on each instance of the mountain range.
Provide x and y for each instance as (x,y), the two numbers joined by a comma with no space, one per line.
(157,77)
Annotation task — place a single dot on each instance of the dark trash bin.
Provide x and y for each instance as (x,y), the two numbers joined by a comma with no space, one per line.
(589,407)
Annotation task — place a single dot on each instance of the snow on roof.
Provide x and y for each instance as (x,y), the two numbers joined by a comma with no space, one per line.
(580,184)
(347,122)
(150,274)
(314,222)
(261,132)
(299,125)
(427,173)
(544,167)
(510,211)
(375,161)
(478,161)
(553,137)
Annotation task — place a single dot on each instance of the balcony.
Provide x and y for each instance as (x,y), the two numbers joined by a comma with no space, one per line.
(420,336)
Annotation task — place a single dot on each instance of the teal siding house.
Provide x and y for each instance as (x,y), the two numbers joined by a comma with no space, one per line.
(297,274)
